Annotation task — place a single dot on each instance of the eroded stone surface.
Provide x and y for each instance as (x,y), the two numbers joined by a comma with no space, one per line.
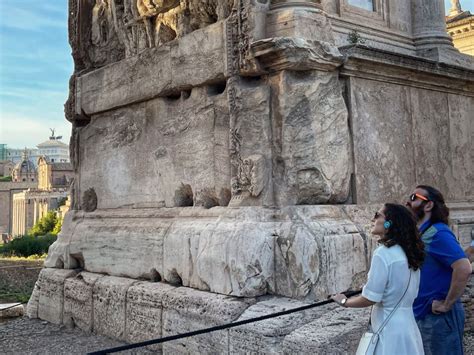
(311,138)
(318,254)
(267,336)
(144,311)
(51,294)
(338,331)
(220,257)
(187,309)
(78,300)
(109,302)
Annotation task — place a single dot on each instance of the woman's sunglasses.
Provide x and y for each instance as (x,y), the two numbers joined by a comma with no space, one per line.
(377,215)
(413,197)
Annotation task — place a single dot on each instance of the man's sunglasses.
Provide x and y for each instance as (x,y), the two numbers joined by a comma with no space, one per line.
(413,197)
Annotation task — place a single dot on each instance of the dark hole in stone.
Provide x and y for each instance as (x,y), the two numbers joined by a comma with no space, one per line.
(59,264)
(252,80)
(216,89)
(175,279)
(183,196)
(79,259)
(82,120)
(155,276)
(185,94)
(174,96)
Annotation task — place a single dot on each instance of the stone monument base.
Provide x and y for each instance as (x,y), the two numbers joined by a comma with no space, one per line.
(133,311)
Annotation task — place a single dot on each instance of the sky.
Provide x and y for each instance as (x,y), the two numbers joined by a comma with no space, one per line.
(35,65)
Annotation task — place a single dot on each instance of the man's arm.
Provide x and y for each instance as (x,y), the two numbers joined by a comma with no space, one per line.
(461,273)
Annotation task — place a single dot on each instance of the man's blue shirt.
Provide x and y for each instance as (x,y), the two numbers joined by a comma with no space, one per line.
(441,250)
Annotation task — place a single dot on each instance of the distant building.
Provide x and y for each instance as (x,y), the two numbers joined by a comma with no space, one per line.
(25,170)
(54,180)
(6,168)
(7,191)
(15,155)
(3,152)
(53,175)
(53,148)
(460,26)
(31,205)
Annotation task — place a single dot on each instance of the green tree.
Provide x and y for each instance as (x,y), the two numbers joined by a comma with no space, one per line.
(57,227)
(45,225)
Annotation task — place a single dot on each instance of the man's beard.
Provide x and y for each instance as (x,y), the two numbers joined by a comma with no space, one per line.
(419,212)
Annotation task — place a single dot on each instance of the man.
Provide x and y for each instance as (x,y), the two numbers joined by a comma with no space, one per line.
(444,274)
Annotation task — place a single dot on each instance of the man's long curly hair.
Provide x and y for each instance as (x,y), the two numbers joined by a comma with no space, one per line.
(440,212)
(404,232)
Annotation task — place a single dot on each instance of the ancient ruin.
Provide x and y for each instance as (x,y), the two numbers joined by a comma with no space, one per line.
(229,156)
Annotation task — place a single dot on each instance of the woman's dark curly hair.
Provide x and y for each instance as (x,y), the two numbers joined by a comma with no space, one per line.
(404,232)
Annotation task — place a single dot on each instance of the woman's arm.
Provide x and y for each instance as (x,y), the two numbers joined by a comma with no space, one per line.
(353,302)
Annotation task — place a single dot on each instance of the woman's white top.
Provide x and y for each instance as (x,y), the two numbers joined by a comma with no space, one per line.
(387,281)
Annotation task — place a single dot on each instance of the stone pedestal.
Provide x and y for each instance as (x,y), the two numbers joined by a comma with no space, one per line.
(241,163)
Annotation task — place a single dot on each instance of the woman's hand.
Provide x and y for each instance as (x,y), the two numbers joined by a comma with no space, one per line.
(340,299)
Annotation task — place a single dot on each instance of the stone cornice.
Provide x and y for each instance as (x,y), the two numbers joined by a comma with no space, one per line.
(284,53)
(460,23)
(362,61)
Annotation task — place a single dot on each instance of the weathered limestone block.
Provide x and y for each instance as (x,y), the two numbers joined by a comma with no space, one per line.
(78,300)
(461,136)
(250,143)
(267,336)
(312,160)
(109,305)
(195,60)
(335,332)
(171,141)
(186,309)
(51,294)
(144,311)
(33,302)
(384,160)
(58,253)
(432,156)
(319,253)
(11,310)
(461,217)
(199,58)
(305,252)
(361,216)
(287,53)
(299,22)
(112,246)
(224,257)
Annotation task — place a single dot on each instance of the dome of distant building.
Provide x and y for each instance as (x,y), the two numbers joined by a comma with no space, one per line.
(25,170)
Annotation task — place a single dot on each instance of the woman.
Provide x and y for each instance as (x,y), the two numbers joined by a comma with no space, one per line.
(394,275)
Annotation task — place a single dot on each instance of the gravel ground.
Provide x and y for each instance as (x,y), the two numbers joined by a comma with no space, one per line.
(33,336)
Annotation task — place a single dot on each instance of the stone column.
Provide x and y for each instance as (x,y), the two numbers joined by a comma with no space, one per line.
(429,26)
(14,217)
(301,19)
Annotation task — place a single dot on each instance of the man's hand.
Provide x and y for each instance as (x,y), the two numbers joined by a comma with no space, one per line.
(439,307)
